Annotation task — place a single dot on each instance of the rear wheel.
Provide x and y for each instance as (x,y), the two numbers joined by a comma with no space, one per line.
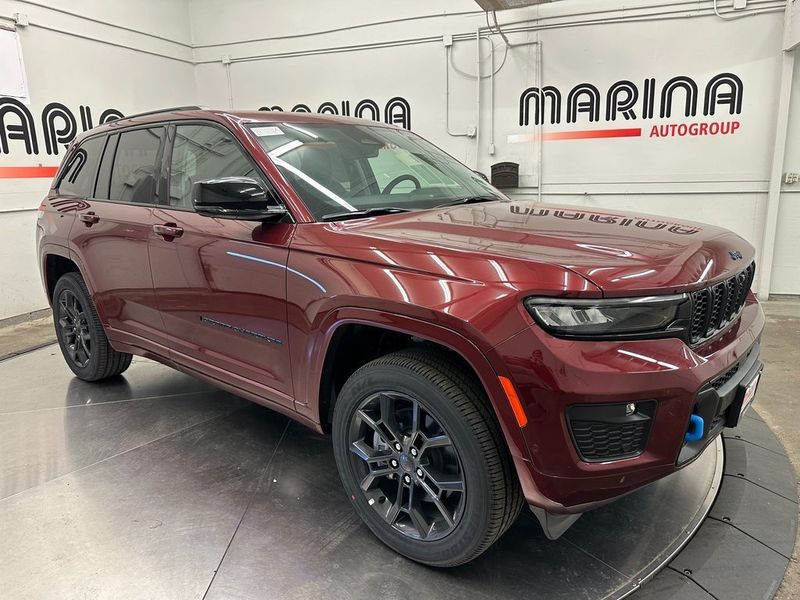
(80,334)
(422,458)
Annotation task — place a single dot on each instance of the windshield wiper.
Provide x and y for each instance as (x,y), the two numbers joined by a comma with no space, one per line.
(368,212)
(471,200)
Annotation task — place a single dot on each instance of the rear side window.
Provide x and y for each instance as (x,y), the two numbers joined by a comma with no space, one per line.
(134,174)
(79,173)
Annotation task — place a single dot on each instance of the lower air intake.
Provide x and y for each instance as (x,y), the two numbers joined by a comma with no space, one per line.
(609,431)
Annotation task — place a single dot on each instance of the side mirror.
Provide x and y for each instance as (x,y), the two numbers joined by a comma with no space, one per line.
(235,198)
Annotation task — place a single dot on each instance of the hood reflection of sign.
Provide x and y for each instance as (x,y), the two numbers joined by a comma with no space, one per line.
(605,219)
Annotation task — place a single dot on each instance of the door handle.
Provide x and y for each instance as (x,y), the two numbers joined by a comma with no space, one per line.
(169,231)
(89,218)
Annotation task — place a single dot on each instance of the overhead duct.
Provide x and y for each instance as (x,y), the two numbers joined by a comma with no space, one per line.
(506,4)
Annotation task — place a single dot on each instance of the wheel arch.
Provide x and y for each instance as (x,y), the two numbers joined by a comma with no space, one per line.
(69,259)
(392,332)
(56,262)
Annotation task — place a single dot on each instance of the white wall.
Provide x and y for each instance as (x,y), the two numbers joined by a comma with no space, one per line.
(23,293)
(721,179)
(350,51)
(78,62)
(786,267)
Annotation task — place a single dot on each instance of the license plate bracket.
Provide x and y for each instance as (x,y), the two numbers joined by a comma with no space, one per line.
(745,394)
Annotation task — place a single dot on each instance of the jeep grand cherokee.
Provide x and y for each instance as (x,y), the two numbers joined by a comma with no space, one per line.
(469,353)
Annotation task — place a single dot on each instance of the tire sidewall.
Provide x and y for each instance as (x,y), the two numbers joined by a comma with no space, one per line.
(468,533)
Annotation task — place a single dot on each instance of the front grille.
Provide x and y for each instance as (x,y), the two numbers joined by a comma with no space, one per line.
(607,441)
(716,307)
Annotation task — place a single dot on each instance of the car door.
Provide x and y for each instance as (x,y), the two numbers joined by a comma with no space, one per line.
(112,232)
(221,283)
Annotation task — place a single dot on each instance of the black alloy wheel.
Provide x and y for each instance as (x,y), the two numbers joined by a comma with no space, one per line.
(72,320)
(80,333)
(409,470)
(422,457)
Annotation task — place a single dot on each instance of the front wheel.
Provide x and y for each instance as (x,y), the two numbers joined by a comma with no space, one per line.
(422,458)
(80,333)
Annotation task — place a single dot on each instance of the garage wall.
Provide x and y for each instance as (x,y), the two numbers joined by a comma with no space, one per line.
(720,175)
(786,266)
(393,64)
(80,64)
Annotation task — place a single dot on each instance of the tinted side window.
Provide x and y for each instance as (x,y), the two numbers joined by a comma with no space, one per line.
(204,152)
(134,176)
(79,172)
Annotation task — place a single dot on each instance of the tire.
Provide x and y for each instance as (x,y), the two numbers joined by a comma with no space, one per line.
(80,334)
(450,402)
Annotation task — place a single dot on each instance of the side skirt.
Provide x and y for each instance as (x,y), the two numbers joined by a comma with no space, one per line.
(161,354)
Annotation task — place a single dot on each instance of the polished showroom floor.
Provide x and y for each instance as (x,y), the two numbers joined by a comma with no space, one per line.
(156,485)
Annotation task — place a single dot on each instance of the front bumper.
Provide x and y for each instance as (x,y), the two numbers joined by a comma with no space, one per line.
(552,375)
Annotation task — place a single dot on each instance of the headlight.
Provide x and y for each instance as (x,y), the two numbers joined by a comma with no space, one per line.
(607,317)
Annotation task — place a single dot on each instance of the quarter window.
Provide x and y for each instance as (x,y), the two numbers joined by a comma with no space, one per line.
(79,173)
(204,152)
(134,175)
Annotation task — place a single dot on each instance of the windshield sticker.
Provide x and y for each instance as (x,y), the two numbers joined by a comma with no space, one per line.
(267,131)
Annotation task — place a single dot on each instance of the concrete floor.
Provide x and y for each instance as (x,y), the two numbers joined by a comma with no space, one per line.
(776,402)
(17,337)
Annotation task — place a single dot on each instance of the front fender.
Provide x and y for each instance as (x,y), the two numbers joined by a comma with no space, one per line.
(308,361)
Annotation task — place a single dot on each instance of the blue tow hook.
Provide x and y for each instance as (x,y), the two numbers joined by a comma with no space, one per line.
(696,427)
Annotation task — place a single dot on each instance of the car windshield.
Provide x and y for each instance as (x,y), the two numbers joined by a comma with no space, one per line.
(347,171)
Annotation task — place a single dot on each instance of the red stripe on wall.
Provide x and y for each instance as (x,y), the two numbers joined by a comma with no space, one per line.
(592,134)
(27,172)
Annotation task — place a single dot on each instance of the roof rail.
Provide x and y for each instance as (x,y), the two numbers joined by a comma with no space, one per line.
(162,110)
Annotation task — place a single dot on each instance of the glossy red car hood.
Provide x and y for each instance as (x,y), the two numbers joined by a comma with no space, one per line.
(622,253)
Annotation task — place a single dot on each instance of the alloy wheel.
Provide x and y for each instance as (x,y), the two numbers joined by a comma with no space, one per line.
(407,466)
(74,325)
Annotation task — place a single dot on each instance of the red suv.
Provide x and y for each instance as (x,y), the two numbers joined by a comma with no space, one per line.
(468,353)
